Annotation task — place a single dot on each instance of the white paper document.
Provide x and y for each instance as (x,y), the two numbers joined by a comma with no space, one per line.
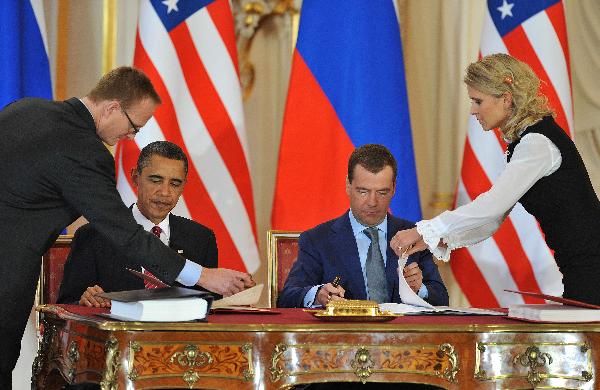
(414,304)
(407,295)
(248,297)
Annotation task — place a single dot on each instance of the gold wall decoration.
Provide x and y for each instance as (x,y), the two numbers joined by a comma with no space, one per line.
(109,35)
(250,16)
(62,50)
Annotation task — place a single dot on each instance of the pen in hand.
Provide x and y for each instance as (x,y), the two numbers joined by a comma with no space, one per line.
(336,292)
(330,291)
(336,281)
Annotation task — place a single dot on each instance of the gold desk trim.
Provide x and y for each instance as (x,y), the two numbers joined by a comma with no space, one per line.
(320,327)
(453,357)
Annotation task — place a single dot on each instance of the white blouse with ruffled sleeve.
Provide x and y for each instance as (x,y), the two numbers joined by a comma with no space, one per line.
(533,158)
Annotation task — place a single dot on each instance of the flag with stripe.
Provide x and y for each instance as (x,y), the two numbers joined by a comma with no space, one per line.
(188,50)
(24,60)
(347,88)
(516,257)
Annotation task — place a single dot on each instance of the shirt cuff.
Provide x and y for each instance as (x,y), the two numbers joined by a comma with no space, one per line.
(423,292)
(190,274)
(309,298)
(429,230)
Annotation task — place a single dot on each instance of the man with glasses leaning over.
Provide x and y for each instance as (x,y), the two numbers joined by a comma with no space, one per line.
(56,168)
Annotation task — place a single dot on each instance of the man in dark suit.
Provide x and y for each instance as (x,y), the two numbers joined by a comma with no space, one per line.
(361,257)
(95,265)
(56,168)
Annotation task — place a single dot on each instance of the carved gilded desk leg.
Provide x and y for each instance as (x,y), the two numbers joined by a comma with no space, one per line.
(39,369)
(109,378)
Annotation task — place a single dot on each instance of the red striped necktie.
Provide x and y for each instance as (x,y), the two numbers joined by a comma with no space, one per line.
(156,230)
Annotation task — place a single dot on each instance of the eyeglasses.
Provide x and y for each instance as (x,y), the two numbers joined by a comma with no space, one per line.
(136,129)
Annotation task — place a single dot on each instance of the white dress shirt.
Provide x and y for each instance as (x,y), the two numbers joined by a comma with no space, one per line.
(165,235)
(191,271)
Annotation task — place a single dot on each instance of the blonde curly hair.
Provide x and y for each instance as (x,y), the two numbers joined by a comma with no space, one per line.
(496,74)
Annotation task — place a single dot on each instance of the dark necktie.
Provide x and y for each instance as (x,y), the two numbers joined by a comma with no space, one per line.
(156,230)
(376,281)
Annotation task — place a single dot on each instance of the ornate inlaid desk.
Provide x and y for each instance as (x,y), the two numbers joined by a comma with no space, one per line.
(235,351)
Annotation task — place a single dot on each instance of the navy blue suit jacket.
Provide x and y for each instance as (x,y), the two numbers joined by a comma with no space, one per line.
(330,250)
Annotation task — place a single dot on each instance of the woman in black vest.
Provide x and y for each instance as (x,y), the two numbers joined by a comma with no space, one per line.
(545,173)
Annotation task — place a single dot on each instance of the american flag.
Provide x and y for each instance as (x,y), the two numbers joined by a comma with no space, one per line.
(516,257)
(188,50)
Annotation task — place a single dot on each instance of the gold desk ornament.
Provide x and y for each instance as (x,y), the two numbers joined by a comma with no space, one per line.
(109,377)
(352,310)
(73,356)
(534,359)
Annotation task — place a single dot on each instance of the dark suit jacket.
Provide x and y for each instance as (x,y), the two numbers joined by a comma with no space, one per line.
(54,169)
(93,260)
(330,250)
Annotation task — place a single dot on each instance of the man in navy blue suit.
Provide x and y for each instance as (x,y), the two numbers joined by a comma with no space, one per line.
(341,247)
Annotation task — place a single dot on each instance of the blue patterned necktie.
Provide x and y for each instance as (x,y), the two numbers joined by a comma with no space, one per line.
(376,281)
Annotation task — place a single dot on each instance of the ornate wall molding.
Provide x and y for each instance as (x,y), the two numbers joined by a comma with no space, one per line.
(251,16)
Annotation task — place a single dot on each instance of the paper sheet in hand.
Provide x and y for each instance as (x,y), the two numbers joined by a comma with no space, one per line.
(414,304)
(247,297)
(407,295)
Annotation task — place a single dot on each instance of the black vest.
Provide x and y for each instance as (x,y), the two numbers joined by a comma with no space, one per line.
(565,204)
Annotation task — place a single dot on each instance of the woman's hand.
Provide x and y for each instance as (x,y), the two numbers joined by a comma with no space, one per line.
(406,242)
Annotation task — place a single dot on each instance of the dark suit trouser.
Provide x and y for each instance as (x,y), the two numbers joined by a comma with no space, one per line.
(20,271)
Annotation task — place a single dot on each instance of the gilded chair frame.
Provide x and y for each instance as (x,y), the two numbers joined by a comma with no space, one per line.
(273,238)
(41,298)
(64,240)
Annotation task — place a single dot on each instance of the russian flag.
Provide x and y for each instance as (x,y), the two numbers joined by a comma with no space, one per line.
(347,88)
(24,61)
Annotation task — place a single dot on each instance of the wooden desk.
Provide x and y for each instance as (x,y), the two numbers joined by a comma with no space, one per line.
(277,351)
